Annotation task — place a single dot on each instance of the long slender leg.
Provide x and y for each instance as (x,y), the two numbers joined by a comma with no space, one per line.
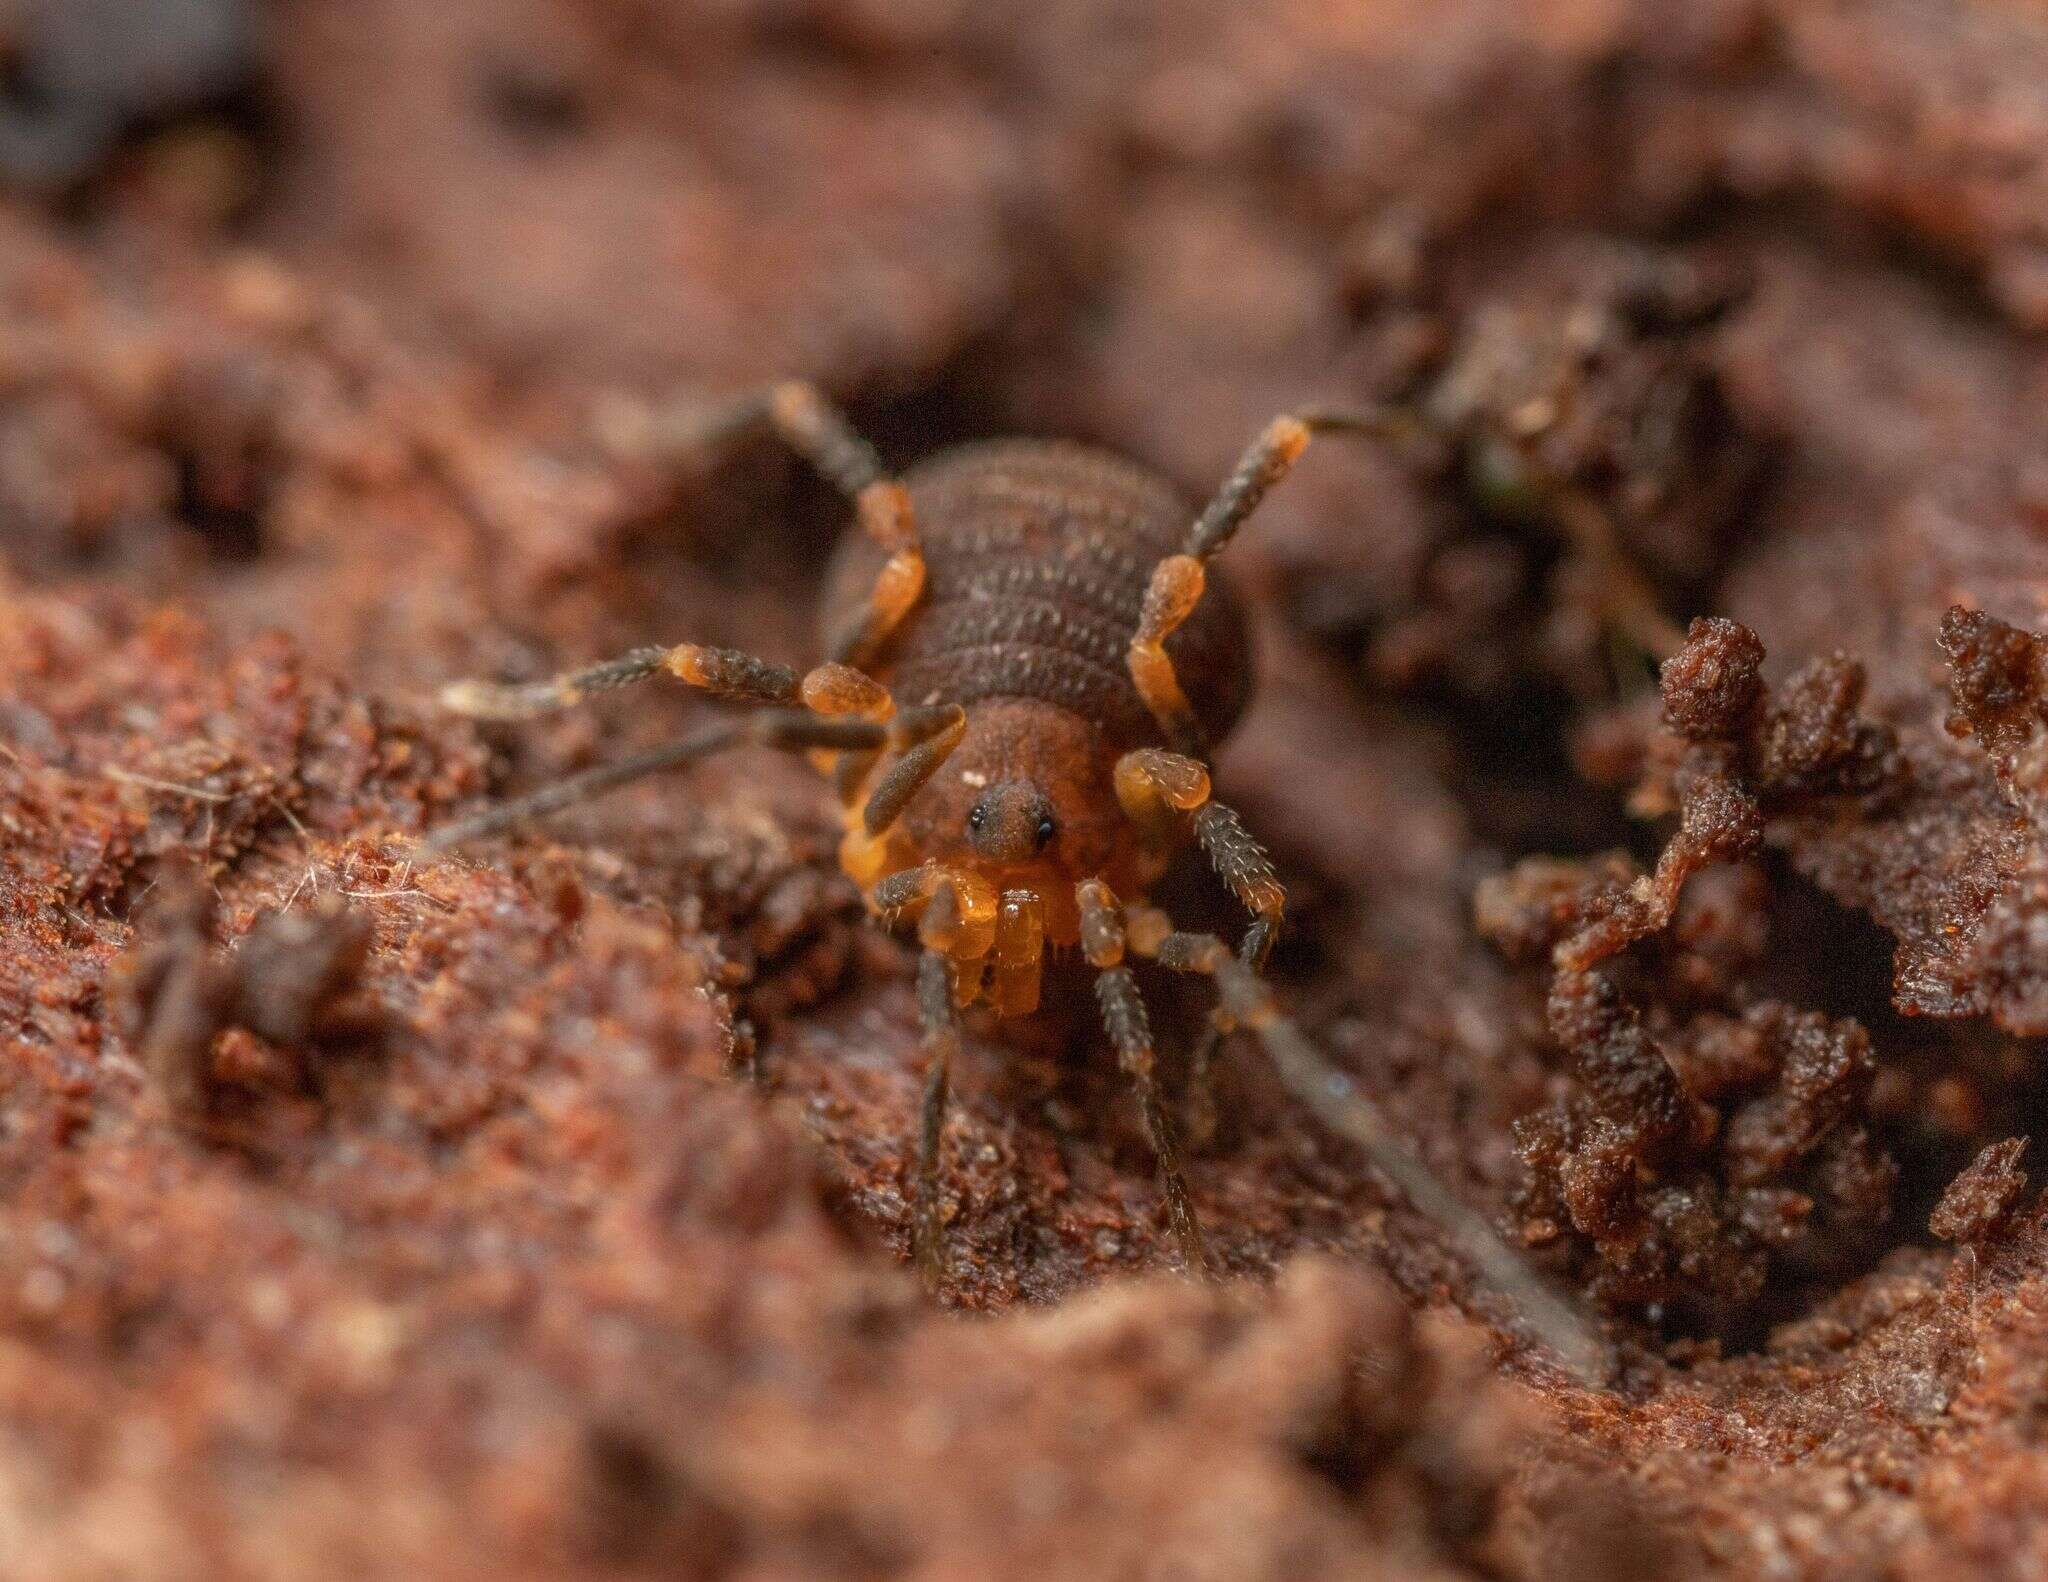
(1335,1098)
(1155,788)
(805,420)
(1130,1030)
(1244,867)
(1178,581)
(1150,782)
(722,672)
(833,690)
(819,432)
(1123,1013)
(941,1043)
(1253,949)
(793,731)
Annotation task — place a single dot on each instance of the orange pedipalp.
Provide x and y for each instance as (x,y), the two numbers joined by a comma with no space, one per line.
(1019,953)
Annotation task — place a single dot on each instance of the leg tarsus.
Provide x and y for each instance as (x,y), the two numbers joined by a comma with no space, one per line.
(789,731)
(1178,581)
(941,1041)
(491,700)
(1123,1013)
(1253,950)
(805,419)
(1335,1098)
(722,672)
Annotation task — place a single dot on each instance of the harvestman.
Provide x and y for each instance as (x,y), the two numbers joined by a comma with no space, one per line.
(1030,660)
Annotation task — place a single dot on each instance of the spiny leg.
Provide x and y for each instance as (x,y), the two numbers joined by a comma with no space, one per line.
(1130,1030)
(818,431)
(806,420)
(1179,580)
(1335,1098)
(1155,788)
(791,731)
(941,1043)
(1242,863)
(722,672)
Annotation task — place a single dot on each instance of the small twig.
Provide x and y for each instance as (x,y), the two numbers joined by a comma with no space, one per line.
(150,782)
(405,887)
(290,817)
(397,895)
(310,876)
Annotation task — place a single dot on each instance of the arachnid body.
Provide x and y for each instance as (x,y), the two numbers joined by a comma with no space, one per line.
(1030,660)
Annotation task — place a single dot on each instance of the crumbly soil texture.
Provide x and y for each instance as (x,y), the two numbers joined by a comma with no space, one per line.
(1652,732)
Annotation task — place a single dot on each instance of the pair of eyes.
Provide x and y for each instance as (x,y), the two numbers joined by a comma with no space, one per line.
(978,816)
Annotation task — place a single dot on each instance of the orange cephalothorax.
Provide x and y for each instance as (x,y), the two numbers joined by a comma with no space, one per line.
(1022,809)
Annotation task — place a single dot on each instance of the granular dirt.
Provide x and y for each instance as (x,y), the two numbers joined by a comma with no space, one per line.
(541,1210)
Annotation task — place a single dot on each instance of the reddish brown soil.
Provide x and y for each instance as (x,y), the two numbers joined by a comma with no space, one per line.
(541,1211)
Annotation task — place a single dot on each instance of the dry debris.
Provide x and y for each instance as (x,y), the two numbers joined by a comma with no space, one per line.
(292,981)
(1998,684)
(1706,1132)
(1981,1199)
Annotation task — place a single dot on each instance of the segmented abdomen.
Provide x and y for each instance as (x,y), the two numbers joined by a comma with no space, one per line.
(1037,556)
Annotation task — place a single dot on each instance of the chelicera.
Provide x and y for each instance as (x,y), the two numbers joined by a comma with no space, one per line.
(1030,659)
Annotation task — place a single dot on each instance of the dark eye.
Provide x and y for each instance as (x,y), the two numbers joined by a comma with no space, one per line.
(1045,829)
(975,816)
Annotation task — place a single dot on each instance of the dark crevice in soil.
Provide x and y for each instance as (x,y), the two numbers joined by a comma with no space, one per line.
(1721,220)
(1510,770)
(229,520)
(1828,958)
